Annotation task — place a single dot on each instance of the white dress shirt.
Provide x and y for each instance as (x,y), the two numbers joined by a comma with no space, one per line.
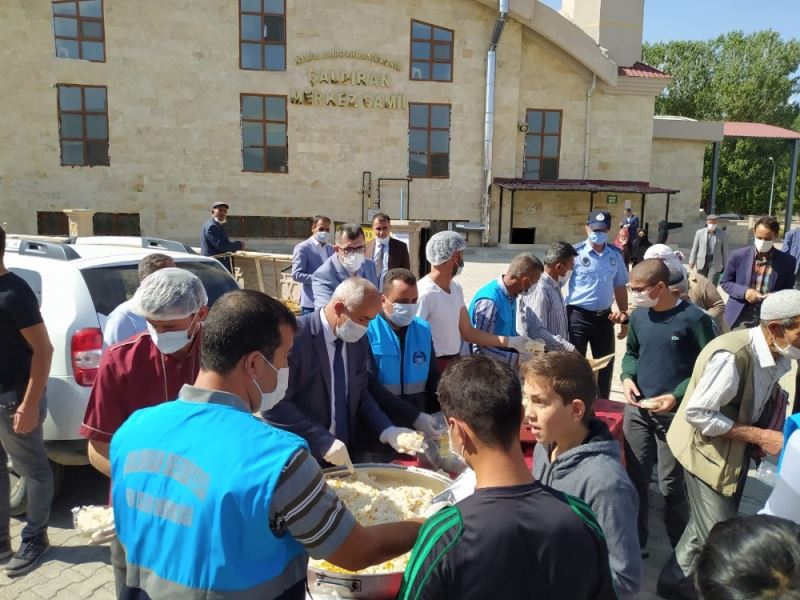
(321,249)
(330,346)
(720,383)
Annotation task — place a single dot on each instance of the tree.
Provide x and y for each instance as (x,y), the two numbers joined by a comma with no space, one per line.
(736,77)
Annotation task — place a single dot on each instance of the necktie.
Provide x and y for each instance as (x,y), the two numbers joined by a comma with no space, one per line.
(379,260)
(340,394)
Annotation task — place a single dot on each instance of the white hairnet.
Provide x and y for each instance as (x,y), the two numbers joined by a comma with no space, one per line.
(665,254)
(169,294)
(443,245)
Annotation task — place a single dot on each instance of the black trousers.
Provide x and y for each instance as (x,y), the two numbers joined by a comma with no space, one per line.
(646,444)
(593,329)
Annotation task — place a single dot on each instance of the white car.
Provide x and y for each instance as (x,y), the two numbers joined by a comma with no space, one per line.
(78,283)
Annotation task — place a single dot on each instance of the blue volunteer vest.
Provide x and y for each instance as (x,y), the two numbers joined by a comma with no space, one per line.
(506,321)
(192,487)
(408,375)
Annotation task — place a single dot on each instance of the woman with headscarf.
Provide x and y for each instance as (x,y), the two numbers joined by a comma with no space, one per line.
(639,246)
(623,243)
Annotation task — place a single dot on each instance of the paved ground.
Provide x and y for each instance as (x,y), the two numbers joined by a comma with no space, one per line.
(74,570)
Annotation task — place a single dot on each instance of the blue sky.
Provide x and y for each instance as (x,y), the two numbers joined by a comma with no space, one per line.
(666,20)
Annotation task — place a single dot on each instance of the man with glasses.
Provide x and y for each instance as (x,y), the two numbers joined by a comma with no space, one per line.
(386,252)
(348,261)
(665,337)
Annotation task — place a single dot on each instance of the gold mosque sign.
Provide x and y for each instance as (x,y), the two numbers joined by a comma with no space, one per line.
(361,91)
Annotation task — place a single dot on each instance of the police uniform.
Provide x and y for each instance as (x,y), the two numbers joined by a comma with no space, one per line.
(590,296)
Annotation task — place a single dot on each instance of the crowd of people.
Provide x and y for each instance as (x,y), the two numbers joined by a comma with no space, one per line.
(214,424)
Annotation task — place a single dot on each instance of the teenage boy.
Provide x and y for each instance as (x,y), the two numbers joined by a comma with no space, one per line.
(665,337)
(576,454)
(513,537)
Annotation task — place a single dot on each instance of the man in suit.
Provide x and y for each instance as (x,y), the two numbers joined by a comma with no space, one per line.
(308,256)
(791,245)
(214,240)
(753,272)
(709,250)
(348,261)
(385,251)
(631,223)
(328,402)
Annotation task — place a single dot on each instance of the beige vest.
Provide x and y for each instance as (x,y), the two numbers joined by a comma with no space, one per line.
(716,461)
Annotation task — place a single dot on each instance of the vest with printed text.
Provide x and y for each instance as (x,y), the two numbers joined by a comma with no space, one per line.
(407,374)
(192,488)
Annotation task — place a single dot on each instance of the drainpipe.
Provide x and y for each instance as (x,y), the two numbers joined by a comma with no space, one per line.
(488,124)
(588,127)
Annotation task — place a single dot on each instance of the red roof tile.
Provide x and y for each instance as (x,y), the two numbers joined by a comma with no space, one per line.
(639,69)
(758,130)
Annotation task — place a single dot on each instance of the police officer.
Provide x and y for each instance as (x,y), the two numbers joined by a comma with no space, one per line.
(600,276)
(402,345)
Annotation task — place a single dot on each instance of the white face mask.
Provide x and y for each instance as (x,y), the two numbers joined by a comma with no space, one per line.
(565,278)
(350,332)
(351,262)
(528,292)
(712,226)
(643,300)
(221,222)
(764,245)
(270,399)
(459,454)
(321,237)
(788,351)
(402,314)
(170,342)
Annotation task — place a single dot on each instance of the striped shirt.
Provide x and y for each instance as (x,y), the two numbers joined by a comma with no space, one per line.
(720,384)
(485,317)
(529,324)
(308,508)
(547,303)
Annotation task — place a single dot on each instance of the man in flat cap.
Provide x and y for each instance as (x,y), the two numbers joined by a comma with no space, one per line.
(709,250)
(213,239)
(732,411)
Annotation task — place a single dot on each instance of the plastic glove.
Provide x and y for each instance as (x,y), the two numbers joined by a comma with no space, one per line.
(105,535)
(394,437)
(338,455)
(427,425)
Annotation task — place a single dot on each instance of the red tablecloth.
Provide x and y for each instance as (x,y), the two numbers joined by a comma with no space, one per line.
(608,411)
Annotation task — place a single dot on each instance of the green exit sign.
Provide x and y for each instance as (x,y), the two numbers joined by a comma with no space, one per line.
(611,199)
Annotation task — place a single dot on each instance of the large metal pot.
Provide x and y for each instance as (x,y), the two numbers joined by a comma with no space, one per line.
(324,584)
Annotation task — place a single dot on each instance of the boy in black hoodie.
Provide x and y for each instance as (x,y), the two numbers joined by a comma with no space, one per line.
(575,453)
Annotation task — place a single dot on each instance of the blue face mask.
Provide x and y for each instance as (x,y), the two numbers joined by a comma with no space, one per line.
(598,238)
(402,314)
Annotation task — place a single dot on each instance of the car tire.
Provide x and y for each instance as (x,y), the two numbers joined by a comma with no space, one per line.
(18,498)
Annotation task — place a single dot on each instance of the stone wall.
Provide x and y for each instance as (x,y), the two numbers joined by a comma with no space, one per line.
(175,143)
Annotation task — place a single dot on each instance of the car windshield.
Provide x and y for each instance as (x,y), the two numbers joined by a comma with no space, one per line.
(111,286)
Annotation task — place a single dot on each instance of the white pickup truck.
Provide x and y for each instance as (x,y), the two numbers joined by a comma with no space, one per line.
(78,283)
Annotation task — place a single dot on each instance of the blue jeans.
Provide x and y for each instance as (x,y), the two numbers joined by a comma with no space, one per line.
(29,458)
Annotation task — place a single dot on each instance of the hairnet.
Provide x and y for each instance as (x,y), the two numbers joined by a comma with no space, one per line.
(443,245)
(169,294)
(665,254)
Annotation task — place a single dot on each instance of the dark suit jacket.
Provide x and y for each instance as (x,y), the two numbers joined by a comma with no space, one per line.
(327,278)
(739,272)
(306,259)
(214,241)
(398,254)
(306,409)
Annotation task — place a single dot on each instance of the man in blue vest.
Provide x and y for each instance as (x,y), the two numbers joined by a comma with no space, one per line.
(210,501)
(494,306)
(402,346)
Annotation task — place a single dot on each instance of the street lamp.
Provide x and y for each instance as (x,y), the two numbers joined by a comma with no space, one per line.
(772,188)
